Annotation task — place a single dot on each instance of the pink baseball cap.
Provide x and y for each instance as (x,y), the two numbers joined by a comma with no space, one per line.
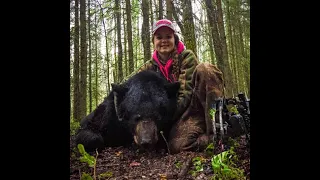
(163,23)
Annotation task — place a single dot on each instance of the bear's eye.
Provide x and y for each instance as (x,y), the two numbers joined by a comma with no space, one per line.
(136,117)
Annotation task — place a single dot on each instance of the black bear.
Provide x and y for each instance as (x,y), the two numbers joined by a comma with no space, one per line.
(136,110)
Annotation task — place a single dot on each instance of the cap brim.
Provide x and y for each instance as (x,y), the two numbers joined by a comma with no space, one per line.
(163,25)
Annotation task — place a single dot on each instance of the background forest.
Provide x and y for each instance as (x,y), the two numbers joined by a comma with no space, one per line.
(110,39)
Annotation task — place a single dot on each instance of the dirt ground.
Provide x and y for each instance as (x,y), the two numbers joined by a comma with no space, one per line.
(128,163)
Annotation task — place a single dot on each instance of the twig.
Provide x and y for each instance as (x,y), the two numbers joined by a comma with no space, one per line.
(111,165)
(95,164)
(161,132)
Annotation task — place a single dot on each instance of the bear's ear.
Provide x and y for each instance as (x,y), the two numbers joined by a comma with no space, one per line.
(120,89)
(172,89)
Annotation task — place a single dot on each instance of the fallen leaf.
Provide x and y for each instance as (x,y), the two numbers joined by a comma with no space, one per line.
(163,177)
(135,164)
(119,153)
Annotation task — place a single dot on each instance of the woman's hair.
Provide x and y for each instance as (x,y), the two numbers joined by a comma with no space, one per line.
(176,39)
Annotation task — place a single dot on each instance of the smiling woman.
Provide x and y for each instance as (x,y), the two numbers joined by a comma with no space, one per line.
(164,43)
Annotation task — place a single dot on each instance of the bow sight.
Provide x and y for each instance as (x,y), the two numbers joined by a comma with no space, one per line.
(231,116)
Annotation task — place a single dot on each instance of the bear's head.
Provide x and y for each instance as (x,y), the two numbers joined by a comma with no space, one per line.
(145,104)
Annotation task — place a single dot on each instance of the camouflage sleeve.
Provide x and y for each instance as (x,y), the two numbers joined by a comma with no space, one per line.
(188,65)
(145,66)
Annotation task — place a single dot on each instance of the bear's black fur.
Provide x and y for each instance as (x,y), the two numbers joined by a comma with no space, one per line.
(145,97)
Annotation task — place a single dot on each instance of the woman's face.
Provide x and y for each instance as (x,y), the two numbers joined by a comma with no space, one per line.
(164,40)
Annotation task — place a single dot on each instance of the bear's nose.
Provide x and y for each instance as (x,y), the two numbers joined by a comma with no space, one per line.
(146,141)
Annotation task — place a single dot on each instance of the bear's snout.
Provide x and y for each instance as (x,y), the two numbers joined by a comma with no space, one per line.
(146,135)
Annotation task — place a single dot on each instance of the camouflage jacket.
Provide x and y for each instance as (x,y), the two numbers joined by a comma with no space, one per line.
(181,70)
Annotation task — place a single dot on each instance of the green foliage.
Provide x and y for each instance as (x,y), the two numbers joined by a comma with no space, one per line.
(212,112)
(223,166)
(90,160)
(198,166)
(233,143)
(86,176)
(209,149)
(178,164)
(232,108)
(107,174)
(74,126)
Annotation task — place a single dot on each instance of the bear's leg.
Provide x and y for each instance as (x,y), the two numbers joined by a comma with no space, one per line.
(89,134)
(89,139)
(102,127)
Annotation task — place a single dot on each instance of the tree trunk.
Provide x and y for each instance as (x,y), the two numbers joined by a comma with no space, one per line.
(218,45)
(245,56)
(129,31)
(145,34)
(240,47)
(169,10)
(107,50)
(115,73)
(188,25)
(160,9)
(96,57)
(212,56)
(151,13)
(176,18)
(227,70)
(108,65)
(76,97)
(137,44)
(90,73)
(231,48)
(118,15)
(83,60)
(214,33)
(125,71)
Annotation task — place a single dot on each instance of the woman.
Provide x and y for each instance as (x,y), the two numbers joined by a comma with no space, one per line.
(200,85)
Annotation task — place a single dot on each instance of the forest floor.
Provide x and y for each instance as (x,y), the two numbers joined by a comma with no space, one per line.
(128,163)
